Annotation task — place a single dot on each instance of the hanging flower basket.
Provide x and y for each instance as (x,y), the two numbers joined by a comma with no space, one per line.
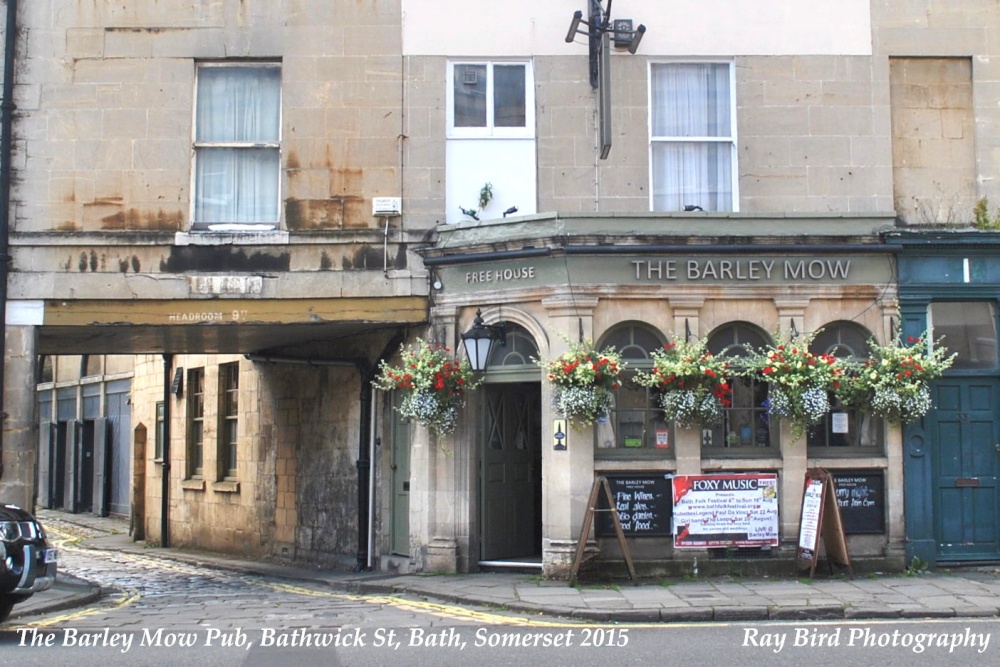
(800,382)
(584,379)
(894,383)
(694,386)
(433,385)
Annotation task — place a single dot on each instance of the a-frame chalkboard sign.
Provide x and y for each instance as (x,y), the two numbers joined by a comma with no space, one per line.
(820,518)
(600,484)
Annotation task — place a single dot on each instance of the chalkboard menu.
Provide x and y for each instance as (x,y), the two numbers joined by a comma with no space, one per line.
(643,502)
(861,498)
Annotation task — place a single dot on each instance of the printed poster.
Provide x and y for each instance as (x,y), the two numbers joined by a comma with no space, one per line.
(812,503)
(725,510)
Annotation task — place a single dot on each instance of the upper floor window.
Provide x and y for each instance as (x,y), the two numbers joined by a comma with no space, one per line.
(491,99)
(237,147)
(692,137)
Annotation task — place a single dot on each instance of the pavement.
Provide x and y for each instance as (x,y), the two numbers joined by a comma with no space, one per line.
(953,593)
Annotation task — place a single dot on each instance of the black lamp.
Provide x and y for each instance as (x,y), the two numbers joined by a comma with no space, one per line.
(479,342)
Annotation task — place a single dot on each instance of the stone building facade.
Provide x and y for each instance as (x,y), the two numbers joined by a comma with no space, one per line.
(726,142)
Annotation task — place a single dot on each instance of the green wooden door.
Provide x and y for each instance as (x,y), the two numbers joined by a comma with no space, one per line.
(966,457)
(511,472)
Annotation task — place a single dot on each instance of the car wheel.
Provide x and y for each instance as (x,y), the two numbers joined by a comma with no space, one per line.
(6,604)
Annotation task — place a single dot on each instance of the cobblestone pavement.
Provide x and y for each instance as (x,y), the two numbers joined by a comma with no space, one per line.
(147,590)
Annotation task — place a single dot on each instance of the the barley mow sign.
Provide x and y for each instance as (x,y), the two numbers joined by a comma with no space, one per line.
(624,270)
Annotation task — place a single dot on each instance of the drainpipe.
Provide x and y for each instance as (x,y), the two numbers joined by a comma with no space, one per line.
(6,125)
(373,443)
(168,363)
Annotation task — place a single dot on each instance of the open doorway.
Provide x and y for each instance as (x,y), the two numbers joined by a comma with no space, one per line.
(511,475)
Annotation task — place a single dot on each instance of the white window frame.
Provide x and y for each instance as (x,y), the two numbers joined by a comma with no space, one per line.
(732,140)
(223,225)
(489,131)
(227,450)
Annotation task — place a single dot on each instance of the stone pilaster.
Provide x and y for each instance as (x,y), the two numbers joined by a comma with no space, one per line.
(20,432)
(568,474)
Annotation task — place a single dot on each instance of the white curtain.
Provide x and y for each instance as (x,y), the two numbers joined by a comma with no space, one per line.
(692,147)
(238,182)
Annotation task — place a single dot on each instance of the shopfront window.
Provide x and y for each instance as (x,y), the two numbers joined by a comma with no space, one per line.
(745,429)
(968,329)
(845,429)
(635,428)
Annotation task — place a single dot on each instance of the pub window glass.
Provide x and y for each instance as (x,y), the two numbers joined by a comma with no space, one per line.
(745,429)
(517,351)
(635,428)
(969,329)
(844,426)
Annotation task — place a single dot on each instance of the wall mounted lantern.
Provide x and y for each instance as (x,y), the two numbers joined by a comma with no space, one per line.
(480,340)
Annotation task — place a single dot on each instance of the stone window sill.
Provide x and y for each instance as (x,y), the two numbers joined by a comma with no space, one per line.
(226,487)
(193,484)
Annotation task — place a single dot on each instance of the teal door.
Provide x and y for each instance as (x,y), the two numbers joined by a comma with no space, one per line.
(511,472)
(966,452)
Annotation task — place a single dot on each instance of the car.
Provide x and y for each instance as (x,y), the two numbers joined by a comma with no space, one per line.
(27,563)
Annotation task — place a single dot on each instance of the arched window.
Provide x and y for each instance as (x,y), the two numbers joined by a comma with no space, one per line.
(844,340)
(518,349)
(844,426)
(635,428)
(745,429)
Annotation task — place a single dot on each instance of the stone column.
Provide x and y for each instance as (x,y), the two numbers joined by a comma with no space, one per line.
(20,439)
(567,474)
(436,508)
(795,460)
(687,318)
(437,551)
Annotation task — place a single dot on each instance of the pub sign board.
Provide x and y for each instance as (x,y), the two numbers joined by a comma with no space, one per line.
(725,510)
(643,504)
(861,498)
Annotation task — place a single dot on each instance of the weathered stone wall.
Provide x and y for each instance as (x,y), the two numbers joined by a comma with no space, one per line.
(105,95)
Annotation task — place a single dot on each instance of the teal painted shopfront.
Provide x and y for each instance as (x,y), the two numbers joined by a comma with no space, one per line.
(949,284)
